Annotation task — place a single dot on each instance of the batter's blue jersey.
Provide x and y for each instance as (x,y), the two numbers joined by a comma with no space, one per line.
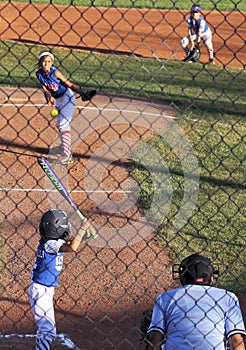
(48,265)
(197,317)
(52,84)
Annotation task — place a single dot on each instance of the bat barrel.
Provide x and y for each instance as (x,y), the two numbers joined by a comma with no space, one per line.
(62,189)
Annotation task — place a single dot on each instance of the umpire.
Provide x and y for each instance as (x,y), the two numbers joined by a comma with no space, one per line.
(195,316)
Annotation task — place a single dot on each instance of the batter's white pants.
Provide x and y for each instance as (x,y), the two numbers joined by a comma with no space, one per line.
(65,105)
(41,299)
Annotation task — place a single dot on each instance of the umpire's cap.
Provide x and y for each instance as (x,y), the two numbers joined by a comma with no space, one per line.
(196,269)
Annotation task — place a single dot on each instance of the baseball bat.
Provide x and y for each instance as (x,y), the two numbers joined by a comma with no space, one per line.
(61,188)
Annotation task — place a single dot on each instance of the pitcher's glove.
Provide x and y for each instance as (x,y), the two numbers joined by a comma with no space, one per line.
(87,95)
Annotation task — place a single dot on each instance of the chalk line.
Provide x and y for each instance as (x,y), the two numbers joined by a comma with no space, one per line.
(7,189)
(90,108)
(62,338)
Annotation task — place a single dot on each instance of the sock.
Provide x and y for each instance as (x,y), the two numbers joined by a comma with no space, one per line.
(211,53)
(66,142)
(60,137)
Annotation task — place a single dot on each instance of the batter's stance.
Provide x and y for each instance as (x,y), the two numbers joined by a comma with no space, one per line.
(54,230)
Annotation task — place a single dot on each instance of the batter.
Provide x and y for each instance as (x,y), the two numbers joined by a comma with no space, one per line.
(54,230)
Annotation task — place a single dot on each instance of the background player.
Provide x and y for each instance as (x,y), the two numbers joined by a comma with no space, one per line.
(198,29)
(59,91)
(54,230)
(196,315)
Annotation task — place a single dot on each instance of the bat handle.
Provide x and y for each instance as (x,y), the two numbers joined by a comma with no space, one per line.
(93,233)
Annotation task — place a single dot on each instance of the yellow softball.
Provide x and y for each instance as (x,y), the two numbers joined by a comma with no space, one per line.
(54,113)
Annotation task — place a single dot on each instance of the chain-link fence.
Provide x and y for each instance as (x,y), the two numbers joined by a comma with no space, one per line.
(159,159)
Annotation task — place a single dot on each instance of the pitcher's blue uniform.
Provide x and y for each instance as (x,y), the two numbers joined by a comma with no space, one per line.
(54,230)
(52,84)
(59,91)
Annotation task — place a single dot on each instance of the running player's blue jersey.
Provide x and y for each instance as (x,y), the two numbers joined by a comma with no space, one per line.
(197,317)
(52,84)
(196,26)
(48,265)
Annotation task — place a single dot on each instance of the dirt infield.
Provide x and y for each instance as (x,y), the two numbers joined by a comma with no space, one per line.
(103,291)
(105,288)
(147,33)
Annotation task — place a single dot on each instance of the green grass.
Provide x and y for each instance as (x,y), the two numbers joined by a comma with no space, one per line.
(221,5)
(213,93)
(217,224)
(211,110)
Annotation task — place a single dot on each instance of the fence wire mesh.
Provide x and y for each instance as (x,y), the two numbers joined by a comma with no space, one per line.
(158,160)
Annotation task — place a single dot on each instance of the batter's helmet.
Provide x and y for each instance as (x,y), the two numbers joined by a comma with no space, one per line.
(54,224)
(196,269)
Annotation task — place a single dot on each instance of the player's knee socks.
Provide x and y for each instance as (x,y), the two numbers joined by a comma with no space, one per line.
(66,142)
(211,52)
(60,137)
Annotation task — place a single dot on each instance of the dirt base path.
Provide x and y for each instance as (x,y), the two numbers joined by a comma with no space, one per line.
(106,285)
(147,33)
